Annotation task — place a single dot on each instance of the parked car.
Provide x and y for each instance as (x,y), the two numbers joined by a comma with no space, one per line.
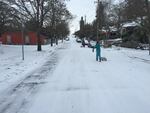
(78,40)
(67,39)
(92,44)
(143,46)
(86,42)
(117,43)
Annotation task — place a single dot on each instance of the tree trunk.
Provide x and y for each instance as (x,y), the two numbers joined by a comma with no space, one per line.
(56,40)
(62,38)
(148,15)
(51,41)
(39,47)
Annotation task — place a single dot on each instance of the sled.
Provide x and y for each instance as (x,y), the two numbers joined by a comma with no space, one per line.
(103,59)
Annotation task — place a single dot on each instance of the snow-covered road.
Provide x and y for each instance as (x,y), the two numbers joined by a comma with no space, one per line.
(79,84)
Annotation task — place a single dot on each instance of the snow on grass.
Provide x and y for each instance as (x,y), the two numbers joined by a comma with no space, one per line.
(13,68)
(135,53)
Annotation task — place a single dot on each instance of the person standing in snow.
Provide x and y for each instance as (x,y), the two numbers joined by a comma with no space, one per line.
(98,51)
(83,43)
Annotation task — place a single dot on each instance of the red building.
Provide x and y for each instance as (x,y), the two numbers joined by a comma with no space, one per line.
(15,38)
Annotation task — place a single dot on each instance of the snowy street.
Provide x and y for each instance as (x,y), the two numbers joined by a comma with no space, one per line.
(71,81)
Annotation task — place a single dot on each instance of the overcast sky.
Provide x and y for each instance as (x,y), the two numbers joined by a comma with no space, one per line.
(81,8)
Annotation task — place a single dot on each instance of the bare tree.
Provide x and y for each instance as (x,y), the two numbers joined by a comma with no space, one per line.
(38,14)
(8,17)
(116,15)
(134,9)
(59,14)
(32,9)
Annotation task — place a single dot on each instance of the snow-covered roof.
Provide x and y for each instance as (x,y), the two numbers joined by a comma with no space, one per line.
(103,30)
(114,40)
(130,24)
(113,28)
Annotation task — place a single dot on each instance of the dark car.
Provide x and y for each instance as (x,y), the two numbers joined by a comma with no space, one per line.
(67,39)
(78,40)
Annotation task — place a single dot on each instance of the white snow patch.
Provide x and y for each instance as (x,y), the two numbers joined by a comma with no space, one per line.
(13,68)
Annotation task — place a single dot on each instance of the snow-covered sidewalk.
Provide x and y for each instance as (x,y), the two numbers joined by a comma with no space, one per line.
(79,84)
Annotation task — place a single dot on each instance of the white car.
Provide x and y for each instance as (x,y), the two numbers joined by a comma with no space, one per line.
(92,44)
(86,42)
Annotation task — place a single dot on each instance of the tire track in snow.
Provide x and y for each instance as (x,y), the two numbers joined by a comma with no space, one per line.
(141,59)
(18,97)
(137,58)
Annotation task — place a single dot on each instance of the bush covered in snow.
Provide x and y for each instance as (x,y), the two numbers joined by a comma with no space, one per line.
(130,44)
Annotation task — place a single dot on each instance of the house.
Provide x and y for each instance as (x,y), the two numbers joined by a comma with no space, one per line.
(129,27)
(15,38)
(114,33)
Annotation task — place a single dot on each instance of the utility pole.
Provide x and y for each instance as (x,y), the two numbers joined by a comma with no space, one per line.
(97,16)
(148,16)
(22,33)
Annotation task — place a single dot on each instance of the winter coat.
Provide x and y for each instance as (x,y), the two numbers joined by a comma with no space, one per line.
(98,48)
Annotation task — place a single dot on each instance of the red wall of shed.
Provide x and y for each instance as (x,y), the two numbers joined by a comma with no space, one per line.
(16,38)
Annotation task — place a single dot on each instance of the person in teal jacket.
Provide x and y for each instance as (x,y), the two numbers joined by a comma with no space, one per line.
(98,51)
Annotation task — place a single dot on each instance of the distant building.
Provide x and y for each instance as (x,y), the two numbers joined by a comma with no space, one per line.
(81,31)
(15,38)
(81,24)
